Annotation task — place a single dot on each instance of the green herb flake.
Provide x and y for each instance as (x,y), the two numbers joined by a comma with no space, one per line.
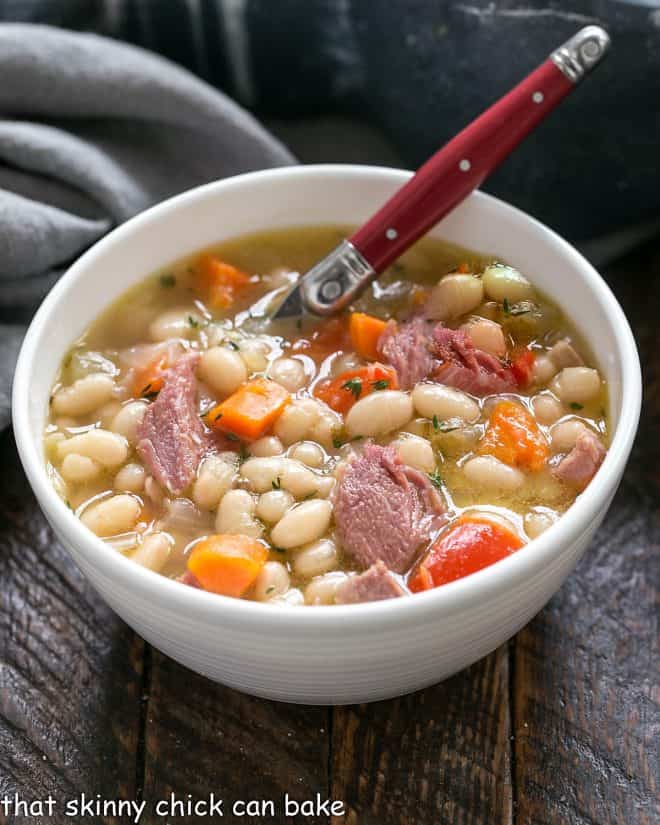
(436,479)
(232,345)
(194,323)
(505,306)
(270,589)
(381,384)
(575,406)
(232,437)
(337,442)
(436,423)
(354,385)
(217,417)
(243,453)
(277,483)
(278,549)
(167,281)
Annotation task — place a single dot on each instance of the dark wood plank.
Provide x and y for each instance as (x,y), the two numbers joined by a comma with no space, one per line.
(587,679)
(70,671)
(201,738)
(438,756)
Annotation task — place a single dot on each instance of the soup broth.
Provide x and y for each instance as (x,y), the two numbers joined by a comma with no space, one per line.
(452,414)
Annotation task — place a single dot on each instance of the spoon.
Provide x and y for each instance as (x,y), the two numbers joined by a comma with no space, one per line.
(444,180)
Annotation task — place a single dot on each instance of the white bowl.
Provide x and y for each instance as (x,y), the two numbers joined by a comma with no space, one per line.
(352,653)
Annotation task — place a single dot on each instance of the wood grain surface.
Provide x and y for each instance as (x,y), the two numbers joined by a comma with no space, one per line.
(559,727)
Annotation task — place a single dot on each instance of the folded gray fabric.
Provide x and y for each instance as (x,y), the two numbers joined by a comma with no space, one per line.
(95,131)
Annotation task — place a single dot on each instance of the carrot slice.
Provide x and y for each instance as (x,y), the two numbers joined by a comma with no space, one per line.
(218,282)
(342,392)
(150,380)
(227,564)
(365,331)
(522,367)
(469,544)
(513,436)
(250,411)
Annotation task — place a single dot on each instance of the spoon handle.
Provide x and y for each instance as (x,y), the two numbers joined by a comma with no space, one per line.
(450,175)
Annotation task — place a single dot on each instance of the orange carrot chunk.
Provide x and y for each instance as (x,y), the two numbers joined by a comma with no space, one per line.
(365,331)
(250,411)
(227,564)
(342,392)
(218,282)
(469,544)
(513,436)
(522,367)
(150,380)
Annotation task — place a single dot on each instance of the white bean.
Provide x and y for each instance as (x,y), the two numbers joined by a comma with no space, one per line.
(288,372)
(272,581)
(322,589)
(297,420)
(109,449)
(453,296)
(486,335)
(222,369)
(325,485)
(79,469)
(538,521)
(487,471)
(293,598)
(215,478)
(236,515)
(130,478)
(128,419)
(107,412)
(343,363)
(84,395)
(444,402)
(316,559)
(181,322)
(577,385)
(255,354)
(415,452)
(543,369)
(308,453)
(563,434)
(299,480)
(302,524)
(154,551)
(501,281)
(546,408)
(269,445)
(111,516)
(272,505)
(325,428)
(379,413)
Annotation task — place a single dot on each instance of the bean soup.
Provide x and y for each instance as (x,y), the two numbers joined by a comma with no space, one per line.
(447,418)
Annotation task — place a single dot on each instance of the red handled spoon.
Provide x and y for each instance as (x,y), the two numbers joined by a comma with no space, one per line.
(444,180)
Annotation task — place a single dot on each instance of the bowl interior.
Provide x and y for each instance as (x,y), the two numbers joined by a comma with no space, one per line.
(307,196)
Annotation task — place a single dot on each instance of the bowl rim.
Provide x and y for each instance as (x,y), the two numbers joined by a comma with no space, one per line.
(451,598)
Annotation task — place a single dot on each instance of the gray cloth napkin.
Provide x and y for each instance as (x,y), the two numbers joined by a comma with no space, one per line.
(94,131)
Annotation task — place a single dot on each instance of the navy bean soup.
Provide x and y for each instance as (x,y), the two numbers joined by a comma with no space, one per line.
(442,422)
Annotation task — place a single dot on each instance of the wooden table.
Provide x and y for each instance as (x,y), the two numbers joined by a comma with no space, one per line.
(559,726)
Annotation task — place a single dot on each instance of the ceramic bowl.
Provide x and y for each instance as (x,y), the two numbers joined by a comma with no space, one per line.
(339,654)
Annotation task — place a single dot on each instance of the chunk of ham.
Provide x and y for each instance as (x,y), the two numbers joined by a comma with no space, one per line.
(385,511)
(171,437)
(463,366)
(418,350)
(375,584)
(406,347)
(578,467)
